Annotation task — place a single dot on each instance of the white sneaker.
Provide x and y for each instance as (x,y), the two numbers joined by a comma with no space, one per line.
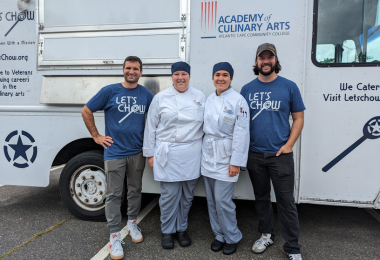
(116,250)
(261,245)
(294,256)
(134,231)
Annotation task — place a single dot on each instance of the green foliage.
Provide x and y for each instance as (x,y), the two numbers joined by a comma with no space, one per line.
(328,60)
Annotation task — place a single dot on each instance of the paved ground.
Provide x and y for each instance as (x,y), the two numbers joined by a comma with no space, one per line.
(326,232)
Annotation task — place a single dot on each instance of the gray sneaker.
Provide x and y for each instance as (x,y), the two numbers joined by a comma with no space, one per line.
(294,256)
(261,244)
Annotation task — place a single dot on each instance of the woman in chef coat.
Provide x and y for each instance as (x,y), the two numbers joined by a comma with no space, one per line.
(224,150)
(173,144)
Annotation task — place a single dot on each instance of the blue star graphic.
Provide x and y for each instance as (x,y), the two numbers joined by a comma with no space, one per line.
(20,149)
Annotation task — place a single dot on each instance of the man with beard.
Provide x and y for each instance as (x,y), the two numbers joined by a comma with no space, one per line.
(272,99)
(125,105)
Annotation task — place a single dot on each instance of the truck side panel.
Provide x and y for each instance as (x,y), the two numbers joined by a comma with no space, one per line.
(339,105)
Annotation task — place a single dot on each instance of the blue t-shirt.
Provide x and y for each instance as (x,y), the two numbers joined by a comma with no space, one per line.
(270,105)
(124,112)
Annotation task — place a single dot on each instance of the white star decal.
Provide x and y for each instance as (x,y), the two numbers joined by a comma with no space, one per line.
(375,127)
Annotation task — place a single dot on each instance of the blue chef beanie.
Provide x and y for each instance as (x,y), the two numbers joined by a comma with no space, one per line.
(223,66)
(180,66)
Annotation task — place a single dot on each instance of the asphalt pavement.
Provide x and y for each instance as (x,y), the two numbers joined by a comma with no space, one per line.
(326,232)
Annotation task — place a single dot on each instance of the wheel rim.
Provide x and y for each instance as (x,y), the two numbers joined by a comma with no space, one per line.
(88,187)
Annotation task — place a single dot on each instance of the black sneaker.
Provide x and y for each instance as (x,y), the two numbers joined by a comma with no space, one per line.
(183,239)
(229,249)
(216,245)
(167,241)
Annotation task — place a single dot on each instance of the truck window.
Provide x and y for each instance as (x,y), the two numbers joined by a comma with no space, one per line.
(346,33)
(325,53)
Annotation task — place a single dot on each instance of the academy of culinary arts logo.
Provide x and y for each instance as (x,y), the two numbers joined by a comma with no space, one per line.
(208,17)
(217,23)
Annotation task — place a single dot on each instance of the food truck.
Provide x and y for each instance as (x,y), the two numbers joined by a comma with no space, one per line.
(55,55)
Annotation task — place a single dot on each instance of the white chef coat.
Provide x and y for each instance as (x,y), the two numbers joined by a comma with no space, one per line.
(173,134)
(226,140)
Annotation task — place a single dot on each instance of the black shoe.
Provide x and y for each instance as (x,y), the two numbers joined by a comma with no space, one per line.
(216,245)
(183,238)
(167,241)
(229,249)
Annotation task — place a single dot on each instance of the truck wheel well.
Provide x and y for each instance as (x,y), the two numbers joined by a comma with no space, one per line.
(74,148)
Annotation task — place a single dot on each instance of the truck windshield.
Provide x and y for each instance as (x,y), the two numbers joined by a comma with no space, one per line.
(347,31)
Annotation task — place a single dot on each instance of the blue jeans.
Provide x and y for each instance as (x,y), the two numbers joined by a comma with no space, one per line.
(262,168)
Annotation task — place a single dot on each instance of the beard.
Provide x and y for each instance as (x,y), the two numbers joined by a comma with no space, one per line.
(269,72)
(131,81)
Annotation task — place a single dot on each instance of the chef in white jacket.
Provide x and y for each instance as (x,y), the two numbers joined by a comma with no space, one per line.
(224,150)
(173,143)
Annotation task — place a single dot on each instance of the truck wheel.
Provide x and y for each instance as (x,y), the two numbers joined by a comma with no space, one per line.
(83,186)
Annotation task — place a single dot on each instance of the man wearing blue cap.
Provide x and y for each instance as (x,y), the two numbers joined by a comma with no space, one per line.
(224,151)
(173,142)
(272,100)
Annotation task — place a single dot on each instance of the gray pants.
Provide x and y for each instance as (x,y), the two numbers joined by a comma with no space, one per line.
(175,202)
(222,210)
(116,170)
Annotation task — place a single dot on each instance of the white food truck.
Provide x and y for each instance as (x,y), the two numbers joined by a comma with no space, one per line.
(55,55)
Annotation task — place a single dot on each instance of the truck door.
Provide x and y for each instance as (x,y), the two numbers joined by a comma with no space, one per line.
(78,34)
(340,140)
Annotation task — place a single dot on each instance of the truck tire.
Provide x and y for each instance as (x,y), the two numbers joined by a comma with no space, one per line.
(83,184)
